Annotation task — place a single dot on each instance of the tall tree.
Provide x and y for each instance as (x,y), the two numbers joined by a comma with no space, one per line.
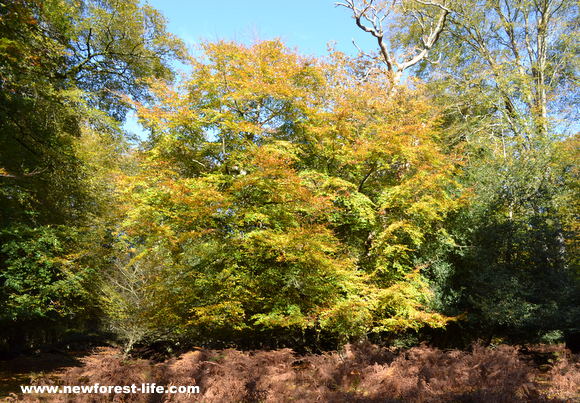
(62,64)
(506,72)
(275,193)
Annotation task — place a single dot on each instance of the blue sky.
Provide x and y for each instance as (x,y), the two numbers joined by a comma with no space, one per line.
(307,26)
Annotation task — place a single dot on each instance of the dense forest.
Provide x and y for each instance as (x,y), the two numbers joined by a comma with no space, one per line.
(426,190)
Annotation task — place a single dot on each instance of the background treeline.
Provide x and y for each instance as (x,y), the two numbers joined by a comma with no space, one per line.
(283,200)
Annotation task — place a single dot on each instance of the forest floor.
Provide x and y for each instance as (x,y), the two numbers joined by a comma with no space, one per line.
(362,373)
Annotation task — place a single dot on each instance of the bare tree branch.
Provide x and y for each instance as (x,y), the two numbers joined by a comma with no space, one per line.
(374,14)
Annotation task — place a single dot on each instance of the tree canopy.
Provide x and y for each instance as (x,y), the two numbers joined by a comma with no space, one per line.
(426,188)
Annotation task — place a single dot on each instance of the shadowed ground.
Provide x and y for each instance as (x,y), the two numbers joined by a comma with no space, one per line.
(362,373)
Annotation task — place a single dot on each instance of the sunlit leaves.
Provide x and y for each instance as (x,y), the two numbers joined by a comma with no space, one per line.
(319,191)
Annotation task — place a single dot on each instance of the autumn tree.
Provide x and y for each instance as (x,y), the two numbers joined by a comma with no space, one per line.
(505,73)
(276,194)
(62,66)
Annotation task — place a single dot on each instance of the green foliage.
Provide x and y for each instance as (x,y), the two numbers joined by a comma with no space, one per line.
(287,195)
(517,275)
(112,48)
(239,225)
(42,277)
(62,65)
(506,80)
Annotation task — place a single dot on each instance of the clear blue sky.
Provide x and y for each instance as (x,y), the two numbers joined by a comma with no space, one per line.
(305,25)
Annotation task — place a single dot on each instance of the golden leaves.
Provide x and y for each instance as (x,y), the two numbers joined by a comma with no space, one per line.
(321,191)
